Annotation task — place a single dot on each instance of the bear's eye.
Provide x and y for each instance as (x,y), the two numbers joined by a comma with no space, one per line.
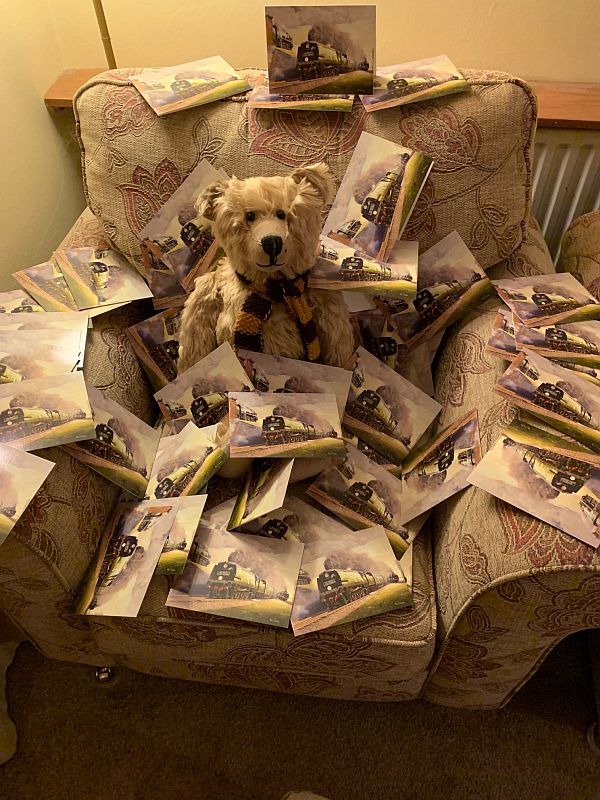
(250,216)
(280,214)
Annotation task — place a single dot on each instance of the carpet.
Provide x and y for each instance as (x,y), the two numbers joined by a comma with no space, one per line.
(146,737)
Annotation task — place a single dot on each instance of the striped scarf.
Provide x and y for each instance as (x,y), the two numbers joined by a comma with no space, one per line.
(257,310)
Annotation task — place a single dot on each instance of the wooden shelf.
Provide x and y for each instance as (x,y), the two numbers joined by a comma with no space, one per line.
(560,105)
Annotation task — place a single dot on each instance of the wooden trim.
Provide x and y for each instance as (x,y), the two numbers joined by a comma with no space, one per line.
(560,105)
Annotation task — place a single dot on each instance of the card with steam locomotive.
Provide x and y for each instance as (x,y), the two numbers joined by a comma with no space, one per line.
(377,195)
(178,239)
(21,357)
(261,97)
(320,49)
(21,475)
(545,476)
(558,395)
(166,290)
(44,412)
(441,467)
(502,341)
(185,462)
(546,299)
(263,491)
(289,376)
(385,410)
(156,344)
(450,283)
(574,343)
(180,538)
(18,302)
(200,393)
(170,89)
(100,277)
(340,266)
(363,493)
(284,426)
(349,578)
(414,80)
(235,575)
(46,284)
(123,565)
(123,446)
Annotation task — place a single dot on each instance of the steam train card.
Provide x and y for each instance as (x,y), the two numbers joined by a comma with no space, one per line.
(240,576)
(45,412)
(177,238)
(450,283)
(46,284)
(166,290)
(345,579)
(156,344)
(385,410)
(377,195)
(284,426)
(200,393)
(320,49)
(21,357)
(122,447)
(416,80)
(503,341)
(363,493)
(261,97)
(170,89)
(290,376)
(575,343)
(263,490)
(546,299)
(377,334)
(21,475)
(441,467)
(18,302)
(557,395)
(530,468)
(185,462)
(100,277)
(340,266)
(119,574)
(182,533)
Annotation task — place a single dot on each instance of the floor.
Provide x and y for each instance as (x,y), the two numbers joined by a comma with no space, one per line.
(147,737)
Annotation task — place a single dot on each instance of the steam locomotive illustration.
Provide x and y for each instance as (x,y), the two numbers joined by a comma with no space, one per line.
(316,60)
(230,581)
(199,554)
(565,474)
(258,378)
(8,511)
(327,253)
(363,499)
(100,275)
(347,467)
(185,87)
(361,269)
(338,587)
(164,243)
(197,238)
(9,375)
(591,508)
(591,373)
(165,356)
(554,303)
(350,228)
(25,307)
(281,430)
(379,205)
(508,327)
(246,414)
(274,529)
(555,399)
(303,578)
(370,408)
(112,446)
(39,419)
(400,86)
(358,377)
(122,551)
(433,301)
(281,38)
(559,339)
(384,347)
(442,459)
(395,306)
(175,482)
(209,408)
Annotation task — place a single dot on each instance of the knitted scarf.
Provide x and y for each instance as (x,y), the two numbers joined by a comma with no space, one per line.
(257,310)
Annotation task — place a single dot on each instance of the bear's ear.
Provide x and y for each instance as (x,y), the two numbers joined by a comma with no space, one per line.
(206,202)
(319,177)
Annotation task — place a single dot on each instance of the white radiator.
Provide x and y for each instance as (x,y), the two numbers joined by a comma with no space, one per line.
(566,180)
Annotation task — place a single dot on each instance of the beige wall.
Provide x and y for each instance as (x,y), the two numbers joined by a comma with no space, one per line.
(42,194)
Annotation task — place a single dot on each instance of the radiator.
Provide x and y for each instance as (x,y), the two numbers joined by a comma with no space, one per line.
(566,180)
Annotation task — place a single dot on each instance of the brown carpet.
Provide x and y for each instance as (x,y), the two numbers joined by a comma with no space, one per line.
(149,738)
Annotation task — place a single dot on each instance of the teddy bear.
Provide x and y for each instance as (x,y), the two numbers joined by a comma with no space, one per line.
(257,297)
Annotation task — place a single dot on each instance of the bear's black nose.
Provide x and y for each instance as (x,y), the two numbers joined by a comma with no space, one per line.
(272,245)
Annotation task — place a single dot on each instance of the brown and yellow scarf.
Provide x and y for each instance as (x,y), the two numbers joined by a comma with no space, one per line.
(257,310)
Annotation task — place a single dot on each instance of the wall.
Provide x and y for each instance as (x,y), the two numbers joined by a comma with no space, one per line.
(42,193)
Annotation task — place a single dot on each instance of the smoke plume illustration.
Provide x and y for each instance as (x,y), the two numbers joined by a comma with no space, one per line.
(302,415)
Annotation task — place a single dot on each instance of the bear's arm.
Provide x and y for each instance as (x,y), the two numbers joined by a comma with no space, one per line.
(197,335)
(335,332)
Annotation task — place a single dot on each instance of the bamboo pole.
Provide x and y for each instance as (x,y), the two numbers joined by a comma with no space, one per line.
(104,34)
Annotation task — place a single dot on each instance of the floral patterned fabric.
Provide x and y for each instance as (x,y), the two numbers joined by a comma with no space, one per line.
(580,251)
(481,142)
